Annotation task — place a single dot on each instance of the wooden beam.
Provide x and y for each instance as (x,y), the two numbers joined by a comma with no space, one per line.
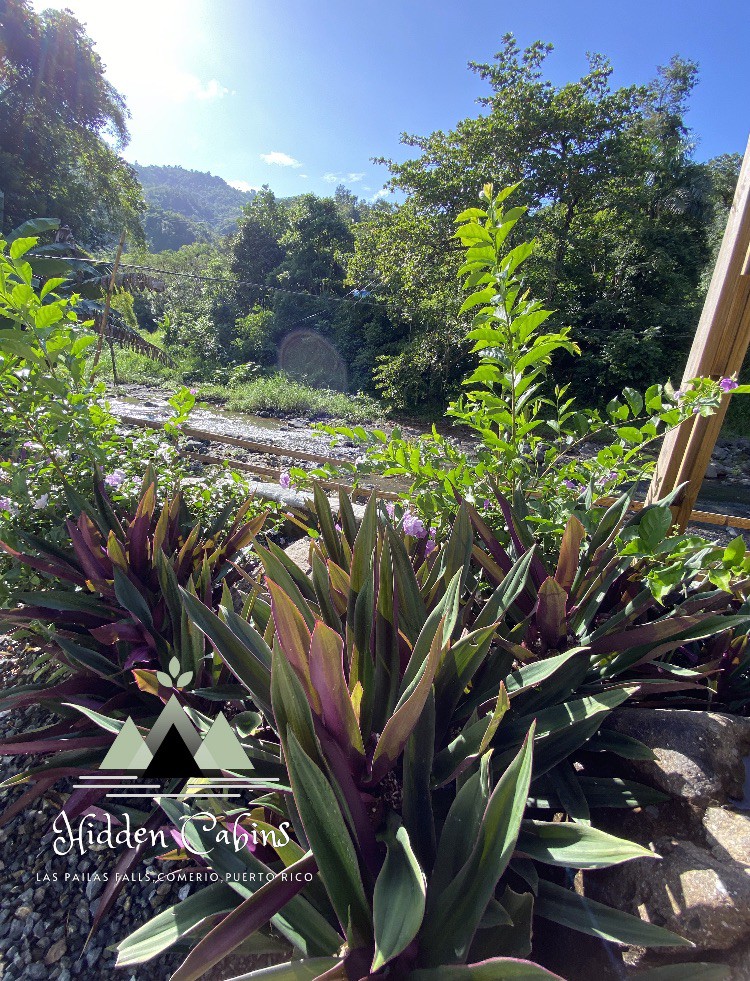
(719,348)
(269,449)
(703,517)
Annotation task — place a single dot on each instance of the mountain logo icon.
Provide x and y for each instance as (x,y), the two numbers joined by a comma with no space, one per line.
(174,747)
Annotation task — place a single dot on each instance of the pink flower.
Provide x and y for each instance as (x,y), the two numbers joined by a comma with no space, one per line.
(285,480)
(390,509)
(414,526)
(727,384)
(193,391)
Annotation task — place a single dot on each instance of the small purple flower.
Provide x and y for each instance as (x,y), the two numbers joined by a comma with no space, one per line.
(486,504)
(285,480)
(429,547)
(115,479)
(572,485)
(338,527)
(193,391)
(390,509)
(606,478)
(727,384)
(28,445)
(679,393)
(414,526)
(7,505)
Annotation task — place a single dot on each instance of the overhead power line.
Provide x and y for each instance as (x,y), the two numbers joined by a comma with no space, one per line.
(355,300)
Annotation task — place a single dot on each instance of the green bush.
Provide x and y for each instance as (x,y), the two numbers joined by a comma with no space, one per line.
(427,753)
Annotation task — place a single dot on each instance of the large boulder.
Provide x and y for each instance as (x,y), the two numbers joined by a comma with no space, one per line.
(701,887)
(691,892)
(699,755)
(299,553)
(728,835)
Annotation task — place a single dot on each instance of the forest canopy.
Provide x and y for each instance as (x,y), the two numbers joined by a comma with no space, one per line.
(627,222)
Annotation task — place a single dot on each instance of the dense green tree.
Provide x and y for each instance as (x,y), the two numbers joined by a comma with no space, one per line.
(56,108)
(315,242)
(256,250)
(619,208)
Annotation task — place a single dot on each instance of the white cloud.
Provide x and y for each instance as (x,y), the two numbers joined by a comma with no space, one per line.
(338,177)
(242,185)
(182,86)
(382,193)
(280,159)
(302,176)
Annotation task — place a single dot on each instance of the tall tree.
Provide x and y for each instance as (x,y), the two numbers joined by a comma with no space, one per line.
(61,127)
(617,204)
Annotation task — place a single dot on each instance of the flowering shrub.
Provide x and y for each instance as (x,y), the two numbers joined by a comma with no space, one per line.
(534,442)
(58,434)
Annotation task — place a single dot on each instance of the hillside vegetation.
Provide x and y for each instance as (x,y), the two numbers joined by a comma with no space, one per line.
(186,206)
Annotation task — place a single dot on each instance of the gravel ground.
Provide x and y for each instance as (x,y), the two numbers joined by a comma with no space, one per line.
(44,924)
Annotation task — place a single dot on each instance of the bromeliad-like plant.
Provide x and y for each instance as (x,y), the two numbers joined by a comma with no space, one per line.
(665,609)
(112,623)
(425,748)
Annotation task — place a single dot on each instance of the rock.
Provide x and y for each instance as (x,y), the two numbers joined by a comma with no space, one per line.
(93,887)
(728,834)
(299,553)
(698,754)
(93,954)
(690,892)
(55,952)
(23,912)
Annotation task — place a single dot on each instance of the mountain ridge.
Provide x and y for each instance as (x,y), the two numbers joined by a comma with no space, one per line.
(186,206)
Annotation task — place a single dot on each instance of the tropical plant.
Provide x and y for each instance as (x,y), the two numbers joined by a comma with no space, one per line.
(425,748)
(111,623)
(78,275)
(58,432)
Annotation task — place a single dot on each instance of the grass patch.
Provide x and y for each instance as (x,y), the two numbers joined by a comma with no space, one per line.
(277,394)
(137,369)
(281,395)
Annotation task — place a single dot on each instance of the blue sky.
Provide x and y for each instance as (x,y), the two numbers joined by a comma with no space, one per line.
(300,95)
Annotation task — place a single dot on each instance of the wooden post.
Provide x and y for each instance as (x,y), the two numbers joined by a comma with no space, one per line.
(107,304)
(719,348)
